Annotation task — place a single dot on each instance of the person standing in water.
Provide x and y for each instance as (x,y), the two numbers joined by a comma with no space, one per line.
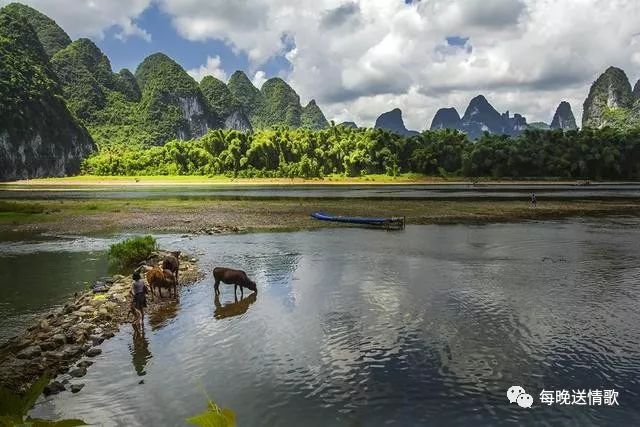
(138,294)
(533,200)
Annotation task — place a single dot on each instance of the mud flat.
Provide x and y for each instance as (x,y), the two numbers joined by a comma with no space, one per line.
(62,342)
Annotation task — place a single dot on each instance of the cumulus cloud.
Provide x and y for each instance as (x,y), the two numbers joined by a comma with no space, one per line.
(92,18)
(212,67)
(259,78)
(360,58)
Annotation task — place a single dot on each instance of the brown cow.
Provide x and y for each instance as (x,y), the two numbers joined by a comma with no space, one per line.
(172,263)
(159,278)
(233,277)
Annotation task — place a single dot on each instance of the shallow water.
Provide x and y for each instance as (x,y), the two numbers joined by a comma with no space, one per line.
(38,273)
(364,327)
(378,191)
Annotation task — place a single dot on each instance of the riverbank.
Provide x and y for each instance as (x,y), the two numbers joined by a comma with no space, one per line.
(63,341)
(177,180)
(212,216)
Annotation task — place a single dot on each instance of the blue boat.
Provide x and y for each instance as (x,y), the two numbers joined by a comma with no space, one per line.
(393,222)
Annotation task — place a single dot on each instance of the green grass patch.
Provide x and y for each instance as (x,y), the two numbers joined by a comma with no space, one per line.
(131,251)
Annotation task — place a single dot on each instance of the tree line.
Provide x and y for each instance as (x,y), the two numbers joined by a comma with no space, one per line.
(606,153)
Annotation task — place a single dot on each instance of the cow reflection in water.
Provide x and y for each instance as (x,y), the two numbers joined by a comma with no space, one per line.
(139,349)
(162,314)
(236,308)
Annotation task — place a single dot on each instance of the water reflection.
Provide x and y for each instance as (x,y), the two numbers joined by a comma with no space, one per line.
(140,353)
(163,313)
(236,308)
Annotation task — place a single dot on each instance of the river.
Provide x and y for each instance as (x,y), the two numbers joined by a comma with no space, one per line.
(378,191)
(355,327)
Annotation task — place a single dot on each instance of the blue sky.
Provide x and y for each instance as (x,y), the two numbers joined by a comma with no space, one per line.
(131,51)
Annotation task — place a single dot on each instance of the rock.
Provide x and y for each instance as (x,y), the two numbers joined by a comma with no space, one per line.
(30,352)
(78,372)
(611,91)
(96,339)
(59,339)
(49,345)
(85,363)
(54,387)
(94,351)
(86,309)
(97,331)
(108,335)
(193,260)
(446,118)
(54,355)
(44,325)
(392,121)
(76,388)
(71,351)
(563,118)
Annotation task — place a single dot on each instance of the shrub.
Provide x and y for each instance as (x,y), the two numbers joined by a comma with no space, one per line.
(131,251)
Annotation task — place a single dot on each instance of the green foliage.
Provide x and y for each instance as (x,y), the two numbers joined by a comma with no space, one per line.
(51,36)
(281,152)
(24,75)
(165,88)
(218,95)
(246,95)
(281,105)
(132,251)
(14,408)
(312,117)
(127,85)
(214,416)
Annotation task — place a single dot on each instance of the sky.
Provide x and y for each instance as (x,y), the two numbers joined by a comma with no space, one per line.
(360,58)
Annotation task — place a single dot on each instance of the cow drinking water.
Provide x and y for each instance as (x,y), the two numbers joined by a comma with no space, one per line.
(230,276)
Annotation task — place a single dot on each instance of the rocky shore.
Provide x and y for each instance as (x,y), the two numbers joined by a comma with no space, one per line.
(63,342)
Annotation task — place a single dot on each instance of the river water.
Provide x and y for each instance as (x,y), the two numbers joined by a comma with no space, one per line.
(378,191)
(355,327)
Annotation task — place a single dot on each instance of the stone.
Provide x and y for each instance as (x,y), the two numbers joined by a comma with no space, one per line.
(76,388)
(108,335)
(59,339)
(96,339)
(78,372)
(71,351)
(85,363)
(54,387)
(94,351)
(48,345)
(30,352)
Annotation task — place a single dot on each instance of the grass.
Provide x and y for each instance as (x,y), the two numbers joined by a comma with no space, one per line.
(407,178)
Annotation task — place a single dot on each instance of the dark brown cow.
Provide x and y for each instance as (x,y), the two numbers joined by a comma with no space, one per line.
(172,263)
(159,278)
(233,277)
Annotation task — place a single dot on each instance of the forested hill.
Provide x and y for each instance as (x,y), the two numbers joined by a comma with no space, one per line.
(49,79)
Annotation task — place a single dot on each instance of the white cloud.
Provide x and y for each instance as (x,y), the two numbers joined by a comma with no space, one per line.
(90,18)
(359,58)
(259,78)
(210,68)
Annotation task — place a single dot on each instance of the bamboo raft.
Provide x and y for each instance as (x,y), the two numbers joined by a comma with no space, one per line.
(396,223)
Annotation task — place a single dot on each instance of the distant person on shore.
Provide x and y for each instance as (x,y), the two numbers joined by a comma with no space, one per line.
(534,202)
(139,297)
